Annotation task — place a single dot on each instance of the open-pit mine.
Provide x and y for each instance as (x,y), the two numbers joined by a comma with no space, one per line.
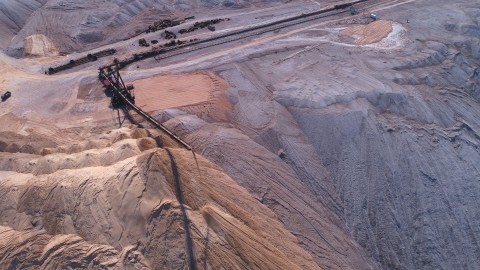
(239,134)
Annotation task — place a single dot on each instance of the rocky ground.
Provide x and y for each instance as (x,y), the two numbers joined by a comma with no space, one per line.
(337,144)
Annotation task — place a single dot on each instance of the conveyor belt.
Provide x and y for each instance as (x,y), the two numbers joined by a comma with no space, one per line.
(154,122)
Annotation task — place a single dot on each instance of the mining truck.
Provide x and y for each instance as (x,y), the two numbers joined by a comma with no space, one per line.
(7,95)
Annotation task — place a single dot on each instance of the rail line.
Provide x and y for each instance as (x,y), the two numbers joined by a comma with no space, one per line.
(162,53)
(186,47)
(261,29)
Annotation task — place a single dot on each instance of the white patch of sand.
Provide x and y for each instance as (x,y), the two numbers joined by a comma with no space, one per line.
(39,45)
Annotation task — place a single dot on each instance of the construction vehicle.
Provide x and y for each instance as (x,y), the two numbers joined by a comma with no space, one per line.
(6,96)
(114,85)
(373,16)
(169,35)
(143,43)
(204,24)
(162,24)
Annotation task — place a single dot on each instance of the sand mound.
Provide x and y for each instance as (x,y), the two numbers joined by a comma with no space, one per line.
(169,91)
(371,33)
(260,172)
(48,252)
(146,143)
(138,133)
(232,218)
(90,158)
(106,216)
(39,45)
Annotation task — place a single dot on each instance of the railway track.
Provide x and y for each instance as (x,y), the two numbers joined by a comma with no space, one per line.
(165,52)
(270,27)
(337,10)
(215,41)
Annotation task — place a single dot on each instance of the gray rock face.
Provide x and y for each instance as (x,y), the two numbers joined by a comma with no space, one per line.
(13,15)
(275,184)
(397,131)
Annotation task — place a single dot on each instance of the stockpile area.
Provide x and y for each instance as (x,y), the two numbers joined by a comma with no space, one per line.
(171,91)
(330,144)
